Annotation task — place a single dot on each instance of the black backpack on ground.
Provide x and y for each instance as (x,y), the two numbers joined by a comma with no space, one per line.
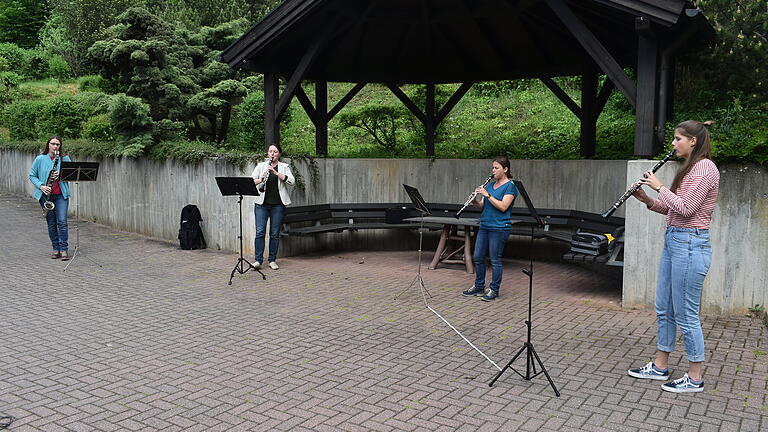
(190,233)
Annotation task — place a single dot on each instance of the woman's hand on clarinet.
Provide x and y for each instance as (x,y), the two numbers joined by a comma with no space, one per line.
(651,180)
(46,189)
(481,191)
(641,195)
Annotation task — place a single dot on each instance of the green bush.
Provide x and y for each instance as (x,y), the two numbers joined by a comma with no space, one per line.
(13,56)
(58,68)
(20,118)
(63,116)
(98,128)
(35,64)
(246,130)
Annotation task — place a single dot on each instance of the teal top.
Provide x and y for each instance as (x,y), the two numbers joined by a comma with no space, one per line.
(38,175)
(491,217)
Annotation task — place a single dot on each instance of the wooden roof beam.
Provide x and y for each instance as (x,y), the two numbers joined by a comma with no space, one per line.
(596,50)
(563,96)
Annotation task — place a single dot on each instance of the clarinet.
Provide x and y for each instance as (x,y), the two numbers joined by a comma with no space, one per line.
(637,186)
(472,197)
(263,183)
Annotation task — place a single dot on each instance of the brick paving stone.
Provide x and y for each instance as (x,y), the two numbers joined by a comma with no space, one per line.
(155,339)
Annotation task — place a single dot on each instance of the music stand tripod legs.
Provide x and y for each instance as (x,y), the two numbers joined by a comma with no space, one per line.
(530,351)
(241,267)
(418,280)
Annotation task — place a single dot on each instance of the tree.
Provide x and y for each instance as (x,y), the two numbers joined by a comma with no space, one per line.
(172,70)
(380,121)
(76,24)
(739,58)
(20,20)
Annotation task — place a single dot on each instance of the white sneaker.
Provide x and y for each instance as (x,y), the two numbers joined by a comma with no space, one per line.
(257,265)
(273,265)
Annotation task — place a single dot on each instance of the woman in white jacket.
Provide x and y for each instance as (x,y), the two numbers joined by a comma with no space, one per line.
(272,179)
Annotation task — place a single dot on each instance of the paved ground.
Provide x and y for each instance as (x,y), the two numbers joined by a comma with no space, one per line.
(156,340)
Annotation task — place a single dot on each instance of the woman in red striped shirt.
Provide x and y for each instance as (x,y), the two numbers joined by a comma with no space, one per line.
(687,254)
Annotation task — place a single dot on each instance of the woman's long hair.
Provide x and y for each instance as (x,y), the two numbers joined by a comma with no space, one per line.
(702,149)
(61,147)
(504,162)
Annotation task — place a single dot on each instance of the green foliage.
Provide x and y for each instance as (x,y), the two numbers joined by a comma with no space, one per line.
(216,103)
(77,24)
(20,118)
(92,83)
(20,21)
(499,88)
(99,128)
(58,68)
(33,63)
(739,58)
(129,116)
(381,122)
(193,14)
(173,70)
(247,127)
(9,82)
(12,58)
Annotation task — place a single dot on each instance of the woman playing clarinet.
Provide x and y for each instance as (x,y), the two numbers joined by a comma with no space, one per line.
(688,204)
(495,199)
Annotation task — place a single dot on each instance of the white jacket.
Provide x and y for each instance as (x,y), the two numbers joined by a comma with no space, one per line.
(282,186)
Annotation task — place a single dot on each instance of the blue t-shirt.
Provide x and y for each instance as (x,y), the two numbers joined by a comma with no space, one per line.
(492,218)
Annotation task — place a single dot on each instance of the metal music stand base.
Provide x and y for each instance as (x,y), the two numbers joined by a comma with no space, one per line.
(418,280)
(240,267)
(77,231)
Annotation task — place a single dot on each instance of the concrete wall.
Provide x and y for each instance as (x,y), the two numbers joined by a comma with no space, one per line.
(739,235)
(146,196)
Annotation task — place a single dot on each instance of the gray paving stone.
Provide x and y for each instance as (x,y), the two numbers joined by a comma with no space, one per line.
(155,339)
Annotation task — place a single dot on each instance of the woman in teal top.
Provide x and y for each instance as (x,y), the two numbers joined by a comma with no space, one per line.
(495,224)
(57,193)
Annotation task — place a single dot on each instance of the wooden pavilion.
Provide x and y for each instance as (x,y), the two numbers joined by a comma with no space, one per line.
(429,42)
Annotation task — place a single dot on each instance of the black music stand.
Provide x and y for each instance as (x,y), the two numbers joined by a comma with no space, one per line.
(421,207)
(239,186)
(530,365)
(77,172)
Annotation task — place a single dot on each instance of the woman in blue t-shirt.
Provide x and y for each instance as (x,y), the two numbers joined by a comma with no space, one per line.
(495,224)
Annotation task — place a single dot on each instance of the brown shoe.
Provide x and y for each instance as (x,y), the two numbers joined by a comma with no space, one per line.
(56,255)
(64,256)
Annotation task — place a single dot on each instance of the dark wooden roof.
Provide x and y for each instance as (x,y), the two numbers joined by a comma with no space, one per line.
(420,41)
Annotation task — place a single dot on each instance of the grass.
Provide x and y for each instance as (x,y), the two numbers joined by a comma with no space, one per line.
(47,88)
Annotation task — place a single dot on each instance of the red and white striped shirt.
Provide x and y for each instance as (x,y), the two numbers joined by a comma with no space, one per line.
(692,205)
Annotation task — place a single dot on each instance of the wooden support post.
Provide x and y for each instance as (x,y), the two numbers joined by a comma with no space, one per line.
(647,94)
(321,126)
(271,123)
(588,132)
(429,125)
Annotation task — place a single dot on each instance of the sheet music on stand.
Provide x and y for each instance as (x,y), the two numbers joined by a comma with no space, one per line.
(77,172)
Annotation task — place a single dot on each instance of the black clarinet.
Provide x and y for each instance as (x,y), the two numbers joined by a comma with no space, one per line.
(637,186)
(472,197)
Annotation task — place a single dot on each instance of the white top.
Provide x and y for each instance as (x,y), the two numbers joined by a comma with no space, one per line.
(282,185)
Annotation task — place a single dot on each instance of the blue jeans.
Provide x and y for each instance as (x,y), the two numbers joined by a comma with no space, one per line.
(684,265)
(57,222)
(275,213)
(489,243)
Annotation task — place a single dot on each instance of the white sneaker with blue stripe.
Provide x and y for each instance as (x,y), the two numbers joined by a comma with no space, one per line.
(650,371)
(683,385)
